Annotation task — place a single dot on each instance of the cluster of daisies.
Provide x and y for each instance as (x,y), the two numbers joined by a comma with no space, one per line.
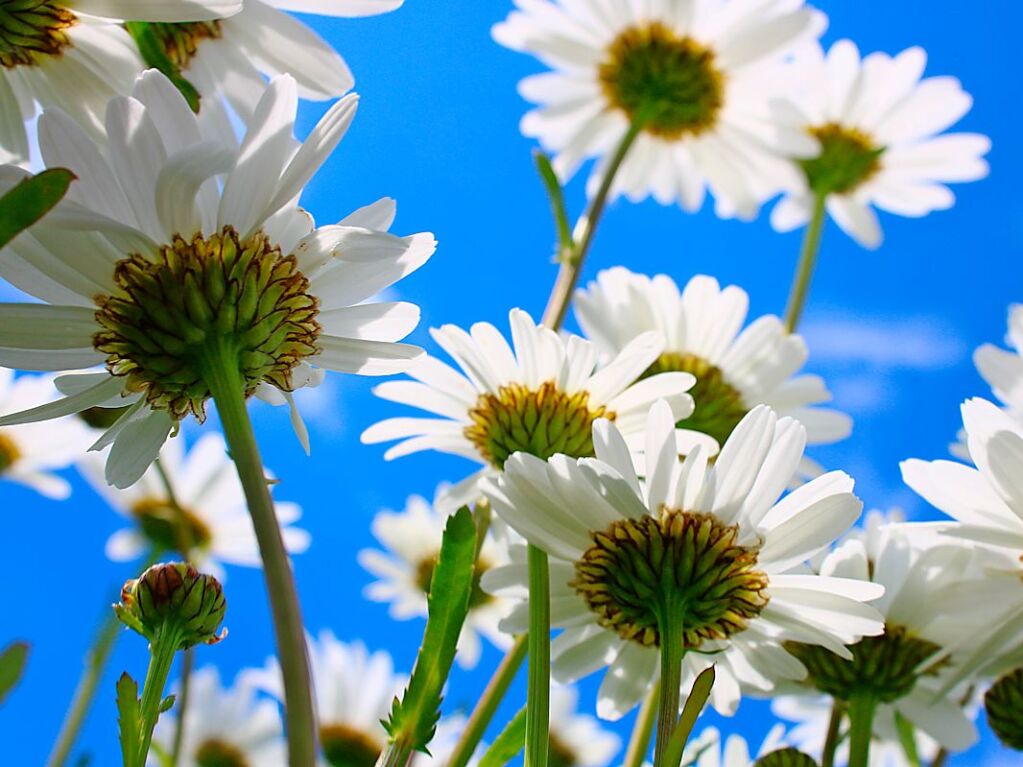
(656,459)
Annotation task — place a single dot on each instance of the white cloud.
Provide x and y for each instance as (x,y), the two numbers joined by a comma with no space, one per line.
(919,342)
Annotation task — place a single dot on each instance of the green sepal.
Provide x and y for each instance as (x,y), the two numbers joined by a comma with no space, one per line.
(508,744)
(12,666)
(129,718)
(156,57)
(30,200)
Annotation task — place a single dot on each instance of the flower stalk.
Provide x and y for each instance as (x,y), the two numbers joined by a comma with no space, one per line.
(672,648)
(807,263)
(162,649)
(642,730)
(538,690)
(861,726)
(834,733)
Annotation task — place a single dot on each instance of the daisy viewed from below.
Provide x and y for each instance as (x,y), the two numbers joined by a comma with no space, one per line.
(540,398)
(178,281)
(620,583)
(736,368)
(75,55)
(192,503)
(881,143)
(695,78)
(413,538)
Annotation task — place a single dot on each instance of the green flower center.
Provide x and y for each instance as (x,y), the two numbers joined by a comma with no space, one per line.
(217,753)
(542,422)
(1004,706)
(719,405)
(884,667)
(345,746)
(670,83)
(477,597)
(170,528)
(848,158)
(217,291)
(684,566)
(30,30)
(180,41)
(9,453)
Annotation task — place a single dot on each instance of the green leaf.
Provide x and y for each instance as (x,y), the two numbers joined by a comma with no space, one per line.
(154,55)
(907,737)
(30,200)
(129,718)
(12,666)
(508,744)
(557,199)
(414,718)
(166,704)
(690,711)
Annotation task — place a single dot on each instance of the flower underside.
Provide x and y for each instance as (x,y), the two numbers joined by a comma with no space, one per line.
(31,30)
(218,753)
(169,527)
(181,41)
(345,746)
(215,291)
(670,84)
(542,422)
(848,159)
(680,566)
(9,452)
(786,757)
(884,667)
(477,596)
(1004,705)
(719,405)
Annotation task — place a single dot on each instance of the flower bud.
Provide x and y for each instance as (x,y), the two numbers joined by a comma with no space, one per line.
(1004,705)
(785,757)
(174,600)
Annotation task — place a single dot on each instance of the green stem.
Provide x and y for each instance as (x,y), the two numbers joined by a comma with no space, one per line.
(225,382)
(807,261)
(162,650)
(582,236)
(861,727)
(672,651)
(940,758)
(642,731)
(187,664)
(834,732)
(485,709)
(538,690)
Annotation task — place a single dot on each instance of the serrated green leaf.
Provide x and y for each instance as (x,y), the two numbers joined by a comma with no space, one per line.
(154,55)
(414,718)
(166,704)
(12,666)
(30,200)
(508,744)
(129,718)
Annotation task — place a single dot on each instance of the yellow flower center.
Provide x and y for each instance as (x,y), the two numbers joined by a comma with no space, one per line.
(345,746)
(848,159)
(170,528)
(560,754)
(477,597)
(671,84)
(217,753)
(31,30)
(181,41)
(9,452)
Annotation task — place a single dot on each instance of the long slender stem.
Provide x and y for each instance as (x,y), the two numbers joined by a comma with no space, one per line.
(861,727)
(224,380)
(582,235)
(162,650)
(834,731)
(538,690)
(807,261)
(485,709)
(642,731)
(187,664)
(672,650)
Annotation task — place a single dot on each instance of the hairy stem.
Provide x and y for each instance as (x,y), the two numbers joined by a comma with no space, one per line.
(538,690)
(807,261)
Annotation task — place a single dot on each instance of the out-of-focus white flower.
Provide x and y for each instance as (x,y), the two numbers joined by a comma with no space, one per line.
(713,751)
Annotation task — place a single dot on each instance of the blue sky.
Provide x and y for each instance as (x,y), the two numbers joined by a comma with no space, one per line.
(892,331)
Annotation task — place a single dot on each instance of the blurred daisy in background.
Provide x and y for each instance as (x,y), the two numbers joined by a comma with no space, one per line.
(709,749)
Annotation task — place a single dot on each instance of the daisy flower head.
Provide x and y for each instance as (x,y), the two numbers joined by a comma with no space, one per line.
(76,55)
(413,538)
(223,726)
(695,78)
(181,264)
(541,397)
(710,749)
(703,552)
(577,740)
(735,368)
(880,130)
(30,453)
(192,503)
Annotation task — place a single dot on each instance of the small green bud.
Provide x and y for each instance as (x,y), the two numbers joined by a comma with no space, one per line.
(785,757)
(174,599)
(1004,705)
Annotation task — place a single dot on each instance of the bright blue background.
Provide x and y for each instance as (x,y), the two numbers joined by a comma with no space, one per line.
(892,331)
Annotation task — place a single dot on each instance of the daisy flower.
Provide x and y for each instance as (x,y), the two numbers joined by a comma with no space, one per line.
(31,452)
(709,749)
(880,127)
(696,78)
(702,326)
(577,740)
(737,597)
(541,398)
(173,259)
(206,519)
(412,538)
(229,727)
(76,55)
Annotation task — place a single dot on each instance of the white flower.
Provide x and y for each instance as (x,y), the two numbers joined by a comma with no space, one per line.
(172,253)
(578,740)
(223,726)
(597,520)
(76,55)
(31,452)
(413,539)
(699,76)
(712,751)
(735,368)
(541,398)
(878,124)
(207,520)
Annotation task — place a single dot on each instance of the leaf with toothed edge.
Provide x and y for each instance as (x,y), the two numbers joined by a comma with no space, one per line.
(129,718)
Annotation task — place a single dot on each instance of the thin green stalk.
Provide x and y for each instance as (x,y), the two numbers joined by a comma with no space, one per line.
(861,727)
(485,709)
(162,650)
(834,733)
(672,651)
(538,690)
(642,731)
(807,261)
(224,379)
(940,758)
(181,704)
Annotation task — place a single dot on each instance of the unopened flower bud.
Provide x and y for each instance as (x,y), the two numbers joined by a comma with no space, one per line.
(1004,705)
(174,600)
(785,757)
